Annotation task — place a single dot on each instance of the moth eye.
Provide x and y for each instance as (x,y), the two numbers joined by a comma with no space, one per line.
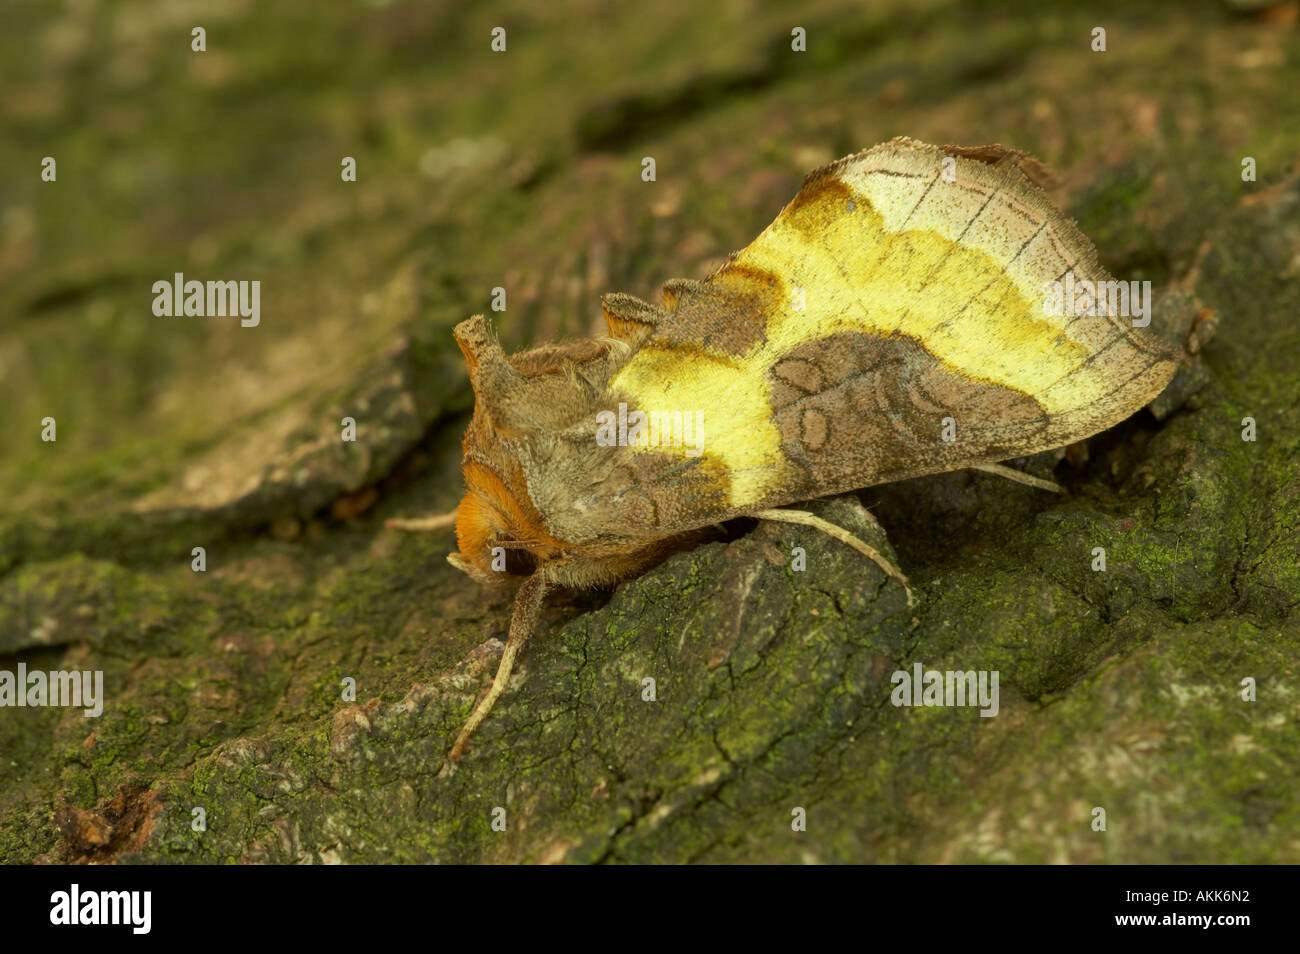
(519,561)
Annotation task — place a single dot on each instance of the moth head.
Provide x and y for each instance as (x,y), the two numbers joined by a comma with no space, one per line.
(498,534)
(499,531)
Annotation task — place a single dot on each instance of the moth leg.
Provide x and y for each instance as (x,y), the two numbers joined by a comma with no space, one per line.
(839,533)
(528,606)
(434,522)
(1020,477)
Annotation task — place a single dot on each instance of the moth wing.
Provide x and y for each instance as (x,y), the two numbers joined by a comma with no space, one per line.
(893,321)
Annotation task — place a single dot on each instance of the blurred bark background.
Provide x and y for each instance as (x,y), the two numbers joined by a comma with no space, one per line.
(521,169)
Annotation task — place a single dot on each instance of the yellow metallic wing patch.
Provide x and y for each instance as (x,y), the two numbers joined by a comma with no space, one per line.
(929,267)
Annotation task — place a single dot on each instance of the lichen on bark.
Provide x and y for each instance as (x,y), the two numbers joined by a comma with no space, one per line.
(771,686)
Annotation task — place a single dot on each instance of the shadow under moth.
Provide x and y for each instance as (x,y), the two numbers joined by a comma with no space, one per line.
(895,320)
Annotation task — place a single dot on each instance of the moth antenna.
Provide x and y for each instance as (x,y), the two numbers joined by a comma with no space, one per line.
(437,521)
(528,607)
(1019,477)
(517,544)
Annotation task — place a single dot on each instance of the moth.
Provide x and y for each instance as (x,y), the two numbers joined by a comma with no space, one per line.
(895,320)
